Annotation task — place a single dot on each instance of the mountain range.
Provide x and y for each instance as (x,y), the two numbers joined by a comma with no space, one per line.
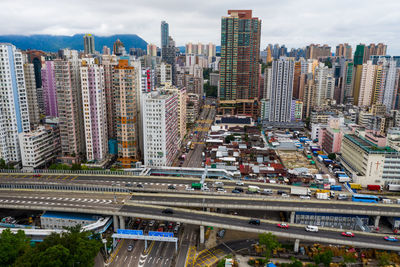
(52,43)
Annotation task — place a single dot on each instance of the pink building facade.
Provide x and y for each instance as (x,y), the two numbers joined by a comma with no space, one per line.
(49,89)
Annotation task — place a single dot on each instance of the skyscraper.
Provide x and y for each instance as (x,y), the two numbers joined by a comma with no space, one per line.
(324,84)
(88,44)
(169,56)
(109,62)
(164,34)
(281,90)
(240,53)
(14,116)
(367,84)
(152,50)
(94,109)
(30,84)
(69,101)
(118,47)
(359,54)
(49,89)
(125,113)
(344,50)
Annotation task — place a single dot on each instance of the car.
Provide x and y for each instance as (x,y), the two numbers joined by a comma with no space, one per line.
(144,223)
(221,190)
(311,228)
(128,185)
(151,223)
(251,192)
(239,189)
(235,191)
(221,233)
(171,187)
(280,192)
(37,175)
(285,195)
(176,229)
(240,183)
(283,225)
(170,225)
(189,189)
(348,234)
(168,211)
(160,229)
(139,185)
(254,221)
(391,238)
(305,197)
(178,223)
(130,248)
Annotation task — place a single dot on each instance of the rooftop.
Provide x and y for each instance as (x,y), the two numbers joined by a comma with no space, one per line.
(368,146)
(69,216)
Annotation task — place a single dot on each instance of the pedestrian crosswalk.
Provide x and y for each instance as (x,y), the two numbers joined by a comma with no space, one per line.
(146,183)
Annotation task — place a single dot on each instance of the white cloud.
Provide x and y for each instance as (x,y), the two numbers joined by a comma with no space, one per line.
(295,23)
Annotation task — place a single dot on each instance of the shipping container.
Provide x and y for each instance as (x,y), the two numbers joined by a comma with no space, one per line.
(394,187)
(355,186)
(322,196)
(336,187)
(300,191)
(374,187)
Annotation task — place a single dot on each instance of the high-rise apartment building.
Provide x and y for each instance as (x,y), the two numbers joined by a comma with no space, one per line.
(359,55)
(49,89)
(281,90)
(374,50)
(309,95)
(88,44)
(182,101)
(348,82)
(164,34)
(148,81)
(125,113)
(109,62)
(324,84)
(240,53)
(160,131)
(211,51)
(152,50)
(315,51)
(30,84)
(169,56)
(344,50)
(118,48)
(163,74)
(267,83)
(14,112)
(94,110)
(367,84)
(392,78)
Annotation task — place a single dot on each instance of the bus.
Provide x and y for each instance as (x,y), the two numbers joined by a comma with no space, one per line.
(365,198)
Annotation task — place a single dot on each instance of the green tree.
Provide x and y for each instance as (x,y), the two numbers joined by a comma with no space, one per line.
(229,138)
(349,258)
(3,164)
(76,167)
(270,242)
(332,156)
(12,246)
(324,257)
(210,90)
(54,256)
(384,259)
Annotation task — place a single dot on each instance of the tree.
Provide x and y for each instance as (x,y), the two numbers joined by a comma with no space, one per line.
(210,90)
(384,259)
(332,156)
(71,248)
(12,246)
(270,242)
(3,164)
(76,167)
(229,138)
(324,257)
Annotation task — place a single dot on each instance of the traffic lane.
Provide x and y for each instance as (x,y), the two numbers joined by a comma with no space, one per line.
(180,215)
(207,199)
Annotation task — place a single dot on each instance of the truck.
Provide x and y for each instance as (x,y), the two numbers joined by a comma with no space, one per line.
(253,188)
(322,191)
(196,185)
(336,187)
(355,186)
(374,187)
(300,191)
(394,187)
(322,196)
(343,178)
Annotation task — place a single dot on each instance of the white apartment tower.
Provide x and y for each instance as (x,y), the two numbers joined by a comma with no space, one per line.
(160,131)
(281,90)
(94,109)
(367,84)
(14,112)
(324,84)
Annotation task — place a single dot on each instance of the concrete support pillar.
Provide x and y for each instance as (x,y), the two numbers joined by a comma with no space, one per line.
(292,214)
(208,209)
(201,234)
(296,245)
(376,221)
(115,221)
(122,222)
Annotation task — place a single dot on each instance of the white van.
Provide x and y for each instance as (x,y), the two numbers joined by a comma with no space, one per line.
(311,228)
(218,183)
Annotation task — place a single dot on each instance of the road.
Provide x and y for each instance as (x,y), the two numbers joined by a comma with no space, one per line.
(194,157)
(187,242)
(266,203)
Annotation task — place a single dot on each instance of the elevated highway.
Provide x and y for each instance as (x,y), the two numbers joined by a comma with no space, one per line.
(52,201)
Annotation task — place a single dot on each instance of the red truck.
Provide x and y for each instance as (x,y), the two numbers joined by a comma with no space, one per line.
(374,187)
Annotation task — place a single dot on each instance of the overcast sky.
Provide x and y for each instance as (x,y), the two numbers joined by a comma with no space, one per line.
(295,23)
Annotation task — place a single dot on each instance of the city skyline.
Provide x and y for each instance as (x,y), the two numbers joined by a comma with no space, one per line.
(292,23)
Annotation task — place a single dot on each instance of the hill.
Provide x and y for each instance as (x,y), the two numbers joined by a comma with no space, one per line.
(52,43)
